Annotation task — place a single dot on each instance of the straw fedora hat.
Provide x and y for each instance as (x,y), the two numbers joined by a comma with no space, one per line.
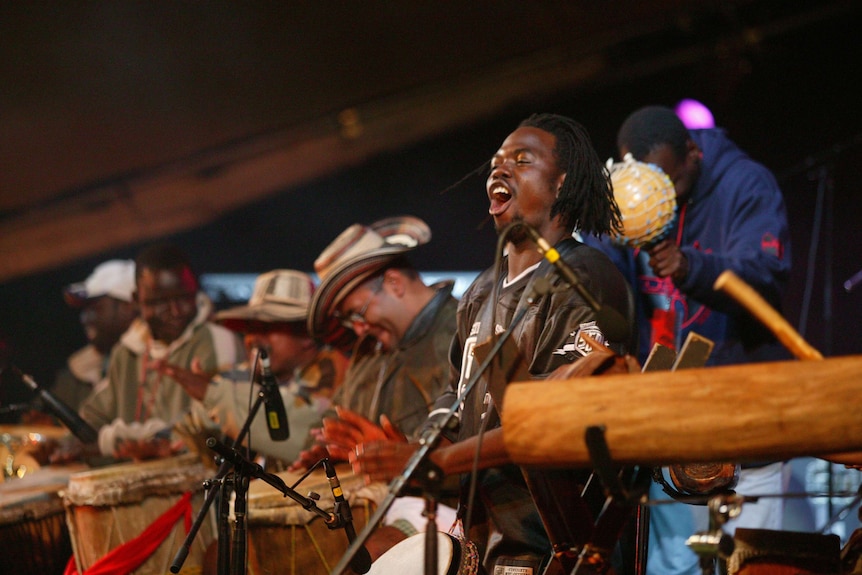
(279,296)
(354,256)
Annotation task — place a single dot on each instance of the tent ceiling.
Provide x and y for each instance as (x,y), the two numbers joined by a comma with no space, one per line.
(125,121)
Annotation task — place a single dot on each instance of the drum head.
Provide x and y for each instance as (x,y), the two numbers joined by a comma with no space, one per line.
(408,557)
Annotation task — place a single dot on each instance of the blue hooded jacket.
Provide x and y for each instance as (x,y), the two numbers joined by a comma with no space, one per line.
(734,219)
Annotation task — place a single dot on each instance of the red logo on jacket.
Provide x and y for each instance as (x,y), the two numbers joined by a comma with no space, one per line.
(771,245)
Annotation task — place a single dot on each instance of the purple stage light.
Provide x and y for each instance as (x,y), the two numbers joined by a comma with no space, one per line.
(694,115)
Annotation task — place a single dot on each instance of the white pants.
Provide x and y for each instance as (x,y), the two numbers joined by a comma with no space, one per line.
(411,509)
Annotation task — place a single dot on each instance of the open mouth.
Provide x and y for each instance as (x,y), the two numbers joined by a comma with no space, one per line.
(500,197)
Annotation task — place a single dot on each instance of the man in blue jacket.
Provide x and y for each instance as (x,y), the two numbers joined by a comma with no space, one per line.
(731,215)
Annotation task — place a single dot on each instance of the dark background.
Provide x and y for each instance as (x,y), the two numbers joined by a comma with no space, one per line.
(792,103)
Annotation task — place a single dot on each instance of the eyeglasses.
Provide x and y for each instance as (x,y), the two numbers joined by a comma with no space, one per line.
(355,317)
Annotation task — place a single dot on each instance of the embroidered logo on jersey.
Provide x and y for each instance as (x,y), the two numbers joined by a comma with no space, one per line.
(769,244)
(575,345)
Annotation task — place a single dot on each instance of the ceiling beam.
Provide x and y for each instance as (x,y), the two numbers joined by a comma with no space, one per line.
(195,191)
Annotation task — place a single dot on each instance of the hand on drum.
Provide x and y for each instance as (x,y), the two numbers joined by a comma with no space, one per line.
(308,457)
(350,429)
(195,380)
(149,448)
(338,438)
(69,449)
(381,460)
(666,260)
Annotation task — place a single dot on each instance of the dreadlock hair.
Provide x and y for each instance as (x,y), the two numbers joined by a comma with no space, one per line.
(651,127)
(586,200)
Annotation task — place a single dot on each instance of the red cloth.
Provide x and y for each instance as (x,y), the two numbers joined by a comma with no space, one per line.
(132,554)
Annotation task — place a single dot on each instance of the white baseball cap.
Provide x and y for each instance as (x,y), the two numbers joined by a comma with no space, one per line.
(115,278)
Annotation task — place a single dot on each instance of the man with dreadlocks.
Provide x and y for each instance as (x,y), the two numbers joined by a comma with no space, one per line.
(546,175)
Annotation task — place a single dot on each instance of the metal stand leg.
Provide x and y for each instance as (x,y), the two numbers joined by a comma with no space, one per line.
(714,546)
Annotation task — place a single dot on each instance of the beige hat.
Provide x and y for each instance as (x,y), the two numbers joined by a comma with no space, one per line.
(279,296)
(115,278)
(355,255)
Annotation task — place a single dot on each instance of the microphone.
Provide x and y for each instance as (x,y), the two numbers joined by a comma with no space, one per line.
(608,319)
(276,416)
(79,428)
(361,562)
(853,282)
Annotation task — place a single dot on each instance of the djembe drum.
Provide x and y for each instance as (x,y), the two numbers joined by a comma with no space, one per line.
(455,556)
(108,507)
(34,539)
(286,539)
(767,552)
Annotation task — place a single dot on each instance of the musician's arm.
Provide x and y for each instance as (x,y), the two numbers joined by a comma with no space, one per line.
(851,459)
(458,457)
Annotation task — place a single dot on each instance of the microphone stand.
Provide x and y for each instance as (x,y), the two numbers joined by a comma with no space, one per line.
(431,487)
(219,484)
(244,470)
(419,462)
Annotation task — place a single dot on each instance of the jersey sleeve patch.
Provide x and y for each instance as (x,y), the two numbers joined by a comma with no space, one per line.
(576,346)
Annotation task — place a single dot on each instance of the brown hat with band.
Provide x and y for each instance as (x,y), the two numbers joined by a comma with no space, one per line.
(354,256)
(279,296)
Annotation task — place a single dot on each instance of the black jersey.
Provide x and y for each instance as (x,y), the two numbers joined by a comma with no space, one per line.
(548,336)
